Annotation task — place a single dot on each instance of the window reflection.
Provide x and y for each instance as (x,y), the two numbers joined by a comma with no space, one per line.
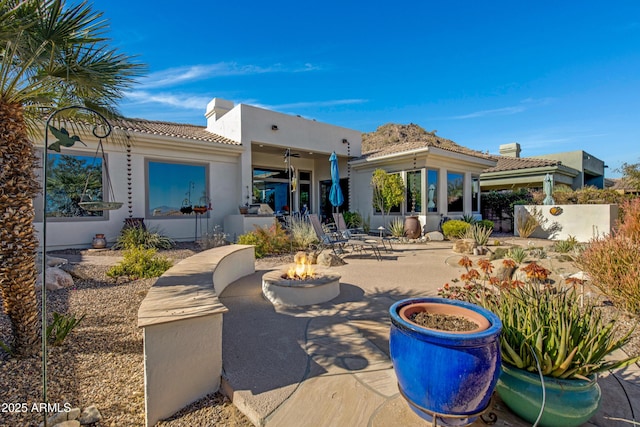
(455,192)
(174,189)
(67,177)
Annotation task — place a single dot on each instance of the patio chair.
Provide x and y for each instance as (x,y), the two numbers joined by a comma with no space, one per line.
(336,241)
(358,234)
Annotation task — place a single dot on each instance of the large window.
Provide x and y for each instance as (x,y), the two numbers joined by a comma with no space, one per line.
(173,189)
(271,186)
(432,190)
(455,192)
(413,197)
(72,179)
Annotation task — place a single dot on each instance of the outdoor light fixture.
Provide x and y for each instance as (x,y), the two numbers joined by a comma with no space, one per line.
(274,127)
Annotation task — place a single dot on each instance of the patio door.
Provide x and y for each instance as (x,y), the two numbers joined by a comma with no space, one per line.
(326,210)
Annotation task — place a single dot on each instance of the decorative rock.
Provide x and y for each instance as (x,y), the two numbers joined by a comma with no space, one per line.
(73,414)
(464,246)
(500,271)
(53,261)
(55,419)
(68,423)
(434,236)
(56,278)
(329,259)
(90,415)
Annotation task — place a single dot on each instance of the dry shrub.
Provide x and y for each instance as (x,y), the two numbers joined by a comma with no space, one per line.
(612,261)
(526,223)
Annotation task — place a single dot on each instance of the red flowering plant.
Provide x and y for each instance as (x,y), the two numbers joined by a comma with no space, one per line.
(544,329)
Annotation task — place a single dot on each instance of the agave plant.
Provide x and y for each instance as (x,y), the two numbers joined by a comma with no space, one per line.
(396,227)
(547,331)
(479,233)
(543,329)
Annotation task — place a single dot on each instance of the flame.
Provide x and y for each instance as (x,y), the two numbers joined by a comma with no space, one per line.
(301,269)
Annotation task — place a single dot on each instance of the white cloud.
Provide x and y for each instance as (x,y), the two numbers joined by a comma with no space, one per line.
(524,105)
(179,75)
(310,104)
(174,100)
(494,112)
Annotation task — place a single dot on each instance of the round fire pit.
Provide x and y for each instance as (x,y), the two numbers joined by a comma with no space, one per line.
(323,287)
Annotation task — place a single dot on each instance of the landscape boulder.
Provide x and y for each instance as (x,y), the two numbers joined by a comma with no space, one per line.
(55,278)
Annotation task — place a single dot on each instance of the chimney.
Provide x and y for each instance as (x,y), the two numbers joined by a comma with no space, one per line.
(217,108)
(510,150)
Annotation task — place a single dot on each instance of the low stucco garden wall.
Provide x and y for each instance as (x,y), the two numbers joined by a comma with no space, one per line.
(584,222)
(181,317)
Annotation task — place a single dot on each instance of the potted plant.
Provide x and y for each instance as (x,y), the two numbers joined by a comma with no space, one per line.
(553,347)
(444,370)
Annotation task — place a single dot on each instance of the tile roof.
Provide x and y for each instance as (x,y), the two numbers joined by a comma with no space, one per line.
(507,163)
(442,143)
(177,130)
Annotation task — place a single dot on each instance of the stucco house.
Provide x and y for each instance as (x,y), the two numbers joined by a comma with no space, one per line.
(244,155)
(573,169)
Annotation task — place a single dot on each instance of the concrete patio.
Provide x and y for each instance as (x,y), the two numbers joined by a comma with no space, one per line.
(328,364)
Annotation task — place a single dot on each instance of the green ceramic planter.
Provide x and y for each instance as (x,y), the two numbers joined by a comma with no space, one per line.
(569,403)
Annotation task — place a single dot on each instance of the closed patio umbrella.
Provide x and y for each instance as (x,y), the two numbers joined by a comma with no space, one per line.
(335,195)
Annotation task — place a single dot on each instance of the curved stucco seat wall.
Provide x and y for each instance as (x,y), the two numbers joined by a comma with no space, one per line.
(181,318)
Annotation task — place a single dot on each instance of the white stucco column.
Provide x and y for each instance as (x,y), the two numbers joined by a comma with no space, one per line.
(442,191)
(466,194)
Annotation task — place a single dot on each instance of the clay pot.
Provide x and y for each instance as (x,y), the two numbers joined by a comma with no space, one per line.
(451,374)
(412,227)
(99,242)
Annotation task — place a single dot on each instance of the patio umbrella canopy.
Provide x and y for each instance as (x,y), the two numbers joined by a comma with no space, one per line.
(335,195)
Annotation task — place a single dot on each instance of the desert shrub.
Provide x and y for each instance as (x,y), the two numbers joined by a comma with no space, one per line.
(140,263)
(612,261)
(267,241)
(587,196)
(629,225)
(539,253)
(214,238)
(302,233)
(517,254)
(478,233)
(469,218)
(454,228)
(61,326)
(353,219)
(565,246)
(527,222)
(132,237)
(396,227)
(486,223)
(543,330)
(499,253)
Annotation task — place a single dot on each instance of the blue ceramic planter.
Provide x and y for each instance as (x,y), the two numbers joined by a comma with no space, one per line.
(447,373)
(568,403)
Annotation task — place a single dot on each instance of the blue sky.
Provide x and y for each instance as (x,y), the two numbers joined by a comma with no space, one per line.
(553,76)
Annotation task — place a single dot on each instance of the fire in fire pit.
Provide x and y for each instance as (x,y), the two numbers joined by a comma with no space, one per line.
(301,270)
(300,285)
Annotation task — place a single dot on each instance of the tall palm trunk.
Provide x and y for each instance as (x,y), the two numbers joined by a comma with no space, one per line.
(18,244)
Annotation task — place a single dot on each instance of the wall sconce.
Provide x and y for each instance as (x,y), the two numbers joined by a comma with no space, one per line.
(344,141)
(274,127)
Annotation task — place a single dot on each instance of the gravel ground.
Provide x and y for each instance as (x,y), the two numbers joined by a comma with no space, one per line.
(100,363)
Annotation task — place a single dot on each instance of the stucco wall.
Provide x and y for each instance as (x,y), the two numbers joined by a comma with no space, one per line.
(584,222)
(225,193)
